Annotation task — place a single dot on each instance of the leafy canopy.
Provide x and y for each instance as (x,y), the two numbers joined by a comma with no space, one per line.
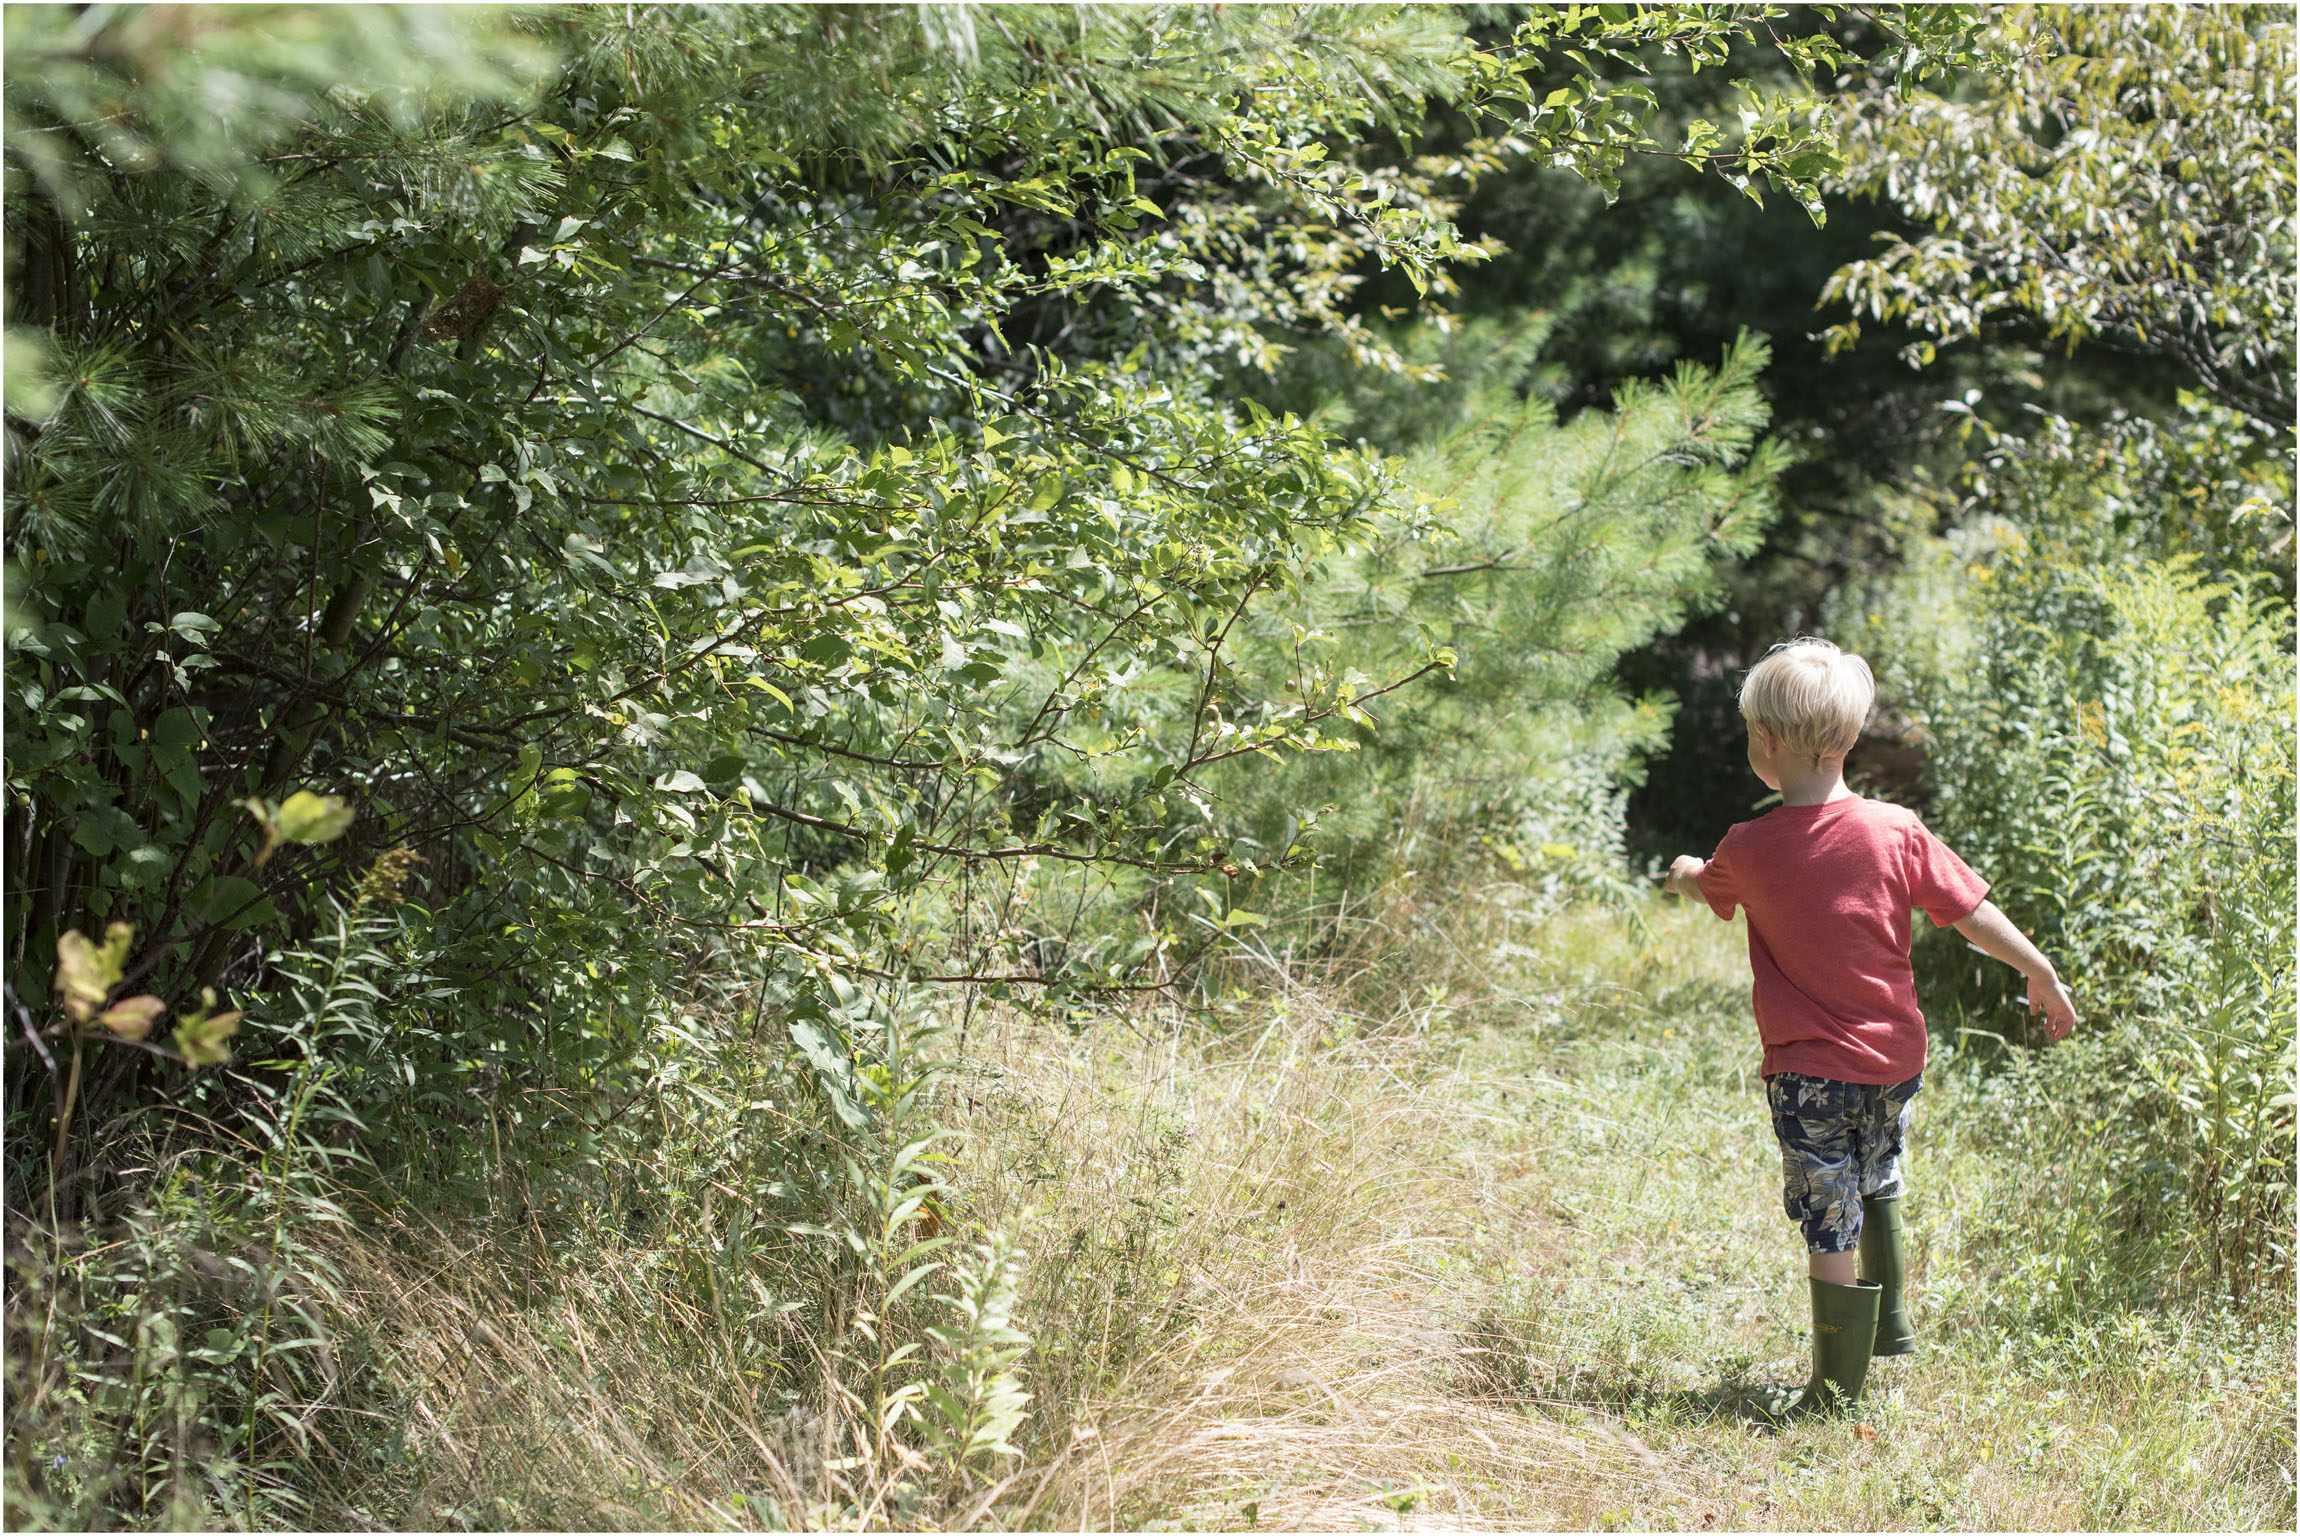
(2133,187)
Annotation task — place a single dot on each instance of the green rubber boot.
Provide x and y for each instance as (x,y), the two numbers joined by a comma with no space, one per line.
(1882,1262)
(1844,1329)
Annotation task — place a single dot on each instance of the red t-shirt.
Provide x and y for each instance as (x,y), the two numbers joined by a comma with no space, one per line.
(1828,889)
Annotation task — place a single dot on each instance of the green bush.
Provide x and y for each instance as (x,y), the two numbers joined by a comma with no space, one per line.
(1543,552)
(2109,739)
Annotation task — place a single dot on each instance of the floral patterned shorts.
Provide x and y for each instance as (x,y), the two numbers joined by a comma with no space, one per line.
(1839,1141)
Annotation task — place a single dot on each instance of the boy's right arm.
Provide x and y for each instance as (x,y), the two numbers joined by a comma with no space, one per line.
(1682,875)
(1993,934)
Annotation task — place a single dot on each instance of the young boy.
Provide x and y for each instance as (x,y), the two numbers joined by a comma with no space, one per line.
(1828,879)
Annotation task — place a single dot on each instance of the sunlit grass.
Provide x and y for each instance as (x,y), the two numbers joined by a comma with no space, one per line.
(1461,1218)
(1482,1269)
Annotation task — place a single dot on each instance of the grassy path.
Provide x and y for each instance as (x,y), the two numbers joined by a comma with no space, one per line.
(1473,1268)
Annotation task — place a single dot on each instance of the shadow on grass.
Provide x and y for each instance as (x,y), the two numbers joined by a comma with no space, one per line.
(1762,1405)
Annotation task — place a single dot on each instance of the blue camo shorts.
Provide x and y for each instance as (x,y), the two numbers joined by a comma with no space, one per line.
(1839,1141)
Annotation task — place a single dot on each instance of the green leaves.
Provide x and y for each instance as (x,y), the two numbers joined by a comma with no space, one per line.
(132,1018)
(86,975)
(974,1397)
(1787,137)
(2129,180)
(708,563)
(203,1036)
(565,796)
(165,107)
(303,817)
(1560,547)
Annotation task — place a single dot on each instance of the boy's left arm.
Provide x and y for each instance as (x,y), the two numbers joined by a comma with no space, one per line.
(1993,934)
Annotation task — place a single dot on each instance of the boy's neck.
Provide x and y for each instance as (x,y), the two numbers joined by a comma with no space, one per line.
(1814,781)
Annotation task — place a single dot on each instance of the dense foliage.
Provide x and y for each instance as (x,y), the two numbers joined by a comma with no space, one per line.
(1565,545)
(638,505)
(2109,734)
(594,605)
(2098,655)
(2135,188)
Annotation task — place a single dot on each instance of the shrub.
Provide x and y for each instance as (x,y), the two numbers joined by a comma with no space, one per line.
(2109,736)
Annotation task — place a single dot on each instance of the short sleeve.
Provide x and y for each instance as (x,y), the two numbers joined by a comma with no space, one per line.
(1717,884)
(1940,883)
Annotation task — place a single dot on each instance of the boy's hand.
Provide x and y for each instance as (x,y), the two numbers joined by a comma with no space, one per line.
(1683,873)
(1993,934)
(2047,996)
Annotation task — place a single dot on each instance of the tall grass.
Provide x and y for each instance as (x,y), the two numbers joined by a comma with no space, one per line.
(1465,1215)
(738,1308)
(1493,1251)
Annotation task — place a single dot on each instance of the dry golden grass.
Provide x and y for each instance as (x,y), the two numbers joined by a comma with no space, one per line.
(1260,1326)
(1454,1228)
(535,1395)
(1481,1255)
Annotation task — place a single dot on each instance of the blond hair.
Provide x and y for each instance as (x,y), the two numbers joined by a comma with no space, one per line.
(1813,696)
